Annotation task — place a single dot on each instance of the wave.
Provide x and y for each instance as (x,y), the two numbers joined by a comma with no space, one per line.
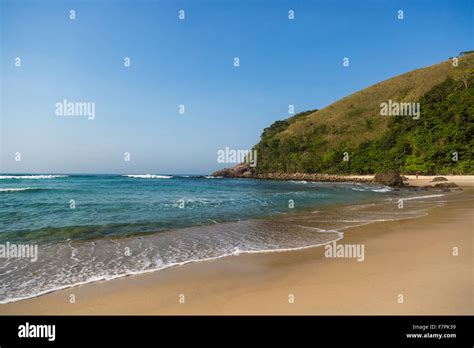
(373,189)
(192,176)
(213,177)
(385,189)
(17,189)
(130,272)
(148,176)
(6,177)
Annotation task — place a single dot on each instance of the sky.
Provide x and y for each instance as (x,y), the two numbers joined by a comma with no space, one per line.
(190,62)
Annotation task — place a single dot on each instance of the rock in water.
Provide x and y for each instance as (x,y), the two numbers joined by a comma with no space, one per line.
(390,178)
(242,170)
(446,185)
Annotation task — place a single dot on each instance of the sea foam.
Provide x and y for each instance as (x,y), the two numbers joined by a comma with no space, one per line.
(32,176)
(148,176)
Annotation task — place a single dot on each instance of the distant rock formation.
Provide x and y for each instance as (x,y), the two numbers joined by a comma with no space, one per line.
(390,178)
(242,170)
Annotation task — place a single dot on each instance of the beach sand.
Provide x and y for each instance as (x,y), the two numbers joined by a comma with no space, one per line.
(426,180)
(413,258)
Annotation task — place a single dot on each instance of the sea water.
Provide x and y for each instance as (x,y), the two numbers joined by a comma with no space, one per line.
(98,227)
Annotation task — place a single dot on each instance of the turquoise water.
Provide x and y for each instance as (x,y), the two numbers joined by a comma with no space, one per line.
(124,225)
(39,208)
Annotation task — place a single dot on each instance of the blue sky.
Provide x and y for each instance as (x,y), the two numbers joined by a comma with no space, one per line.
(190,62)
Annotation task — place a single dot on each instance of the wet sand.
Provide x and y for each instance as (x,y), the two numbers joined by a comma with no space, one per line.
(413,258)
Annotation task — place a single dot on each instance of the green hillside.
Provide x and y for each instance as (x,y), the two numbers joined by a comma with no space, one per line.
(315,141)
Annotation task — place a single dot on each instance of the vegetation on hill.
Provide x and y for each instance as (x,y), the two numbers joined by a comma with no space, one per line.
(440,141)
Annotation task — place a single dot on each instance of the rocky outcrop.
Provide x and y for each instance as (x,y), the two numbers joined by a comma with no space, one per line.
(390,178)
(446,185)
(312,177)
(242,170)
(439,178)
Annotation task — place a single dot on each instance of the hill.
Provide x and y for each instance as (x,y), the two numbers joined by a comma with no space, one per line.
(351,136)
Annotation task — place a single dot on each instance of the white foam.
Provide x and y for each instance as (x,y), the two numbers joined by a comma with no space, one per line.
(365,189)
(32,176)
(127,273)
(385,189)
(421,197)
(148,176)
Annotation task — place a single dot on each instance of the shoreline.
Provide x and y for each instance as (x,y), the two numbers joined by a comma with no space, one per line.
(409,181)
(303,212)
(223,277)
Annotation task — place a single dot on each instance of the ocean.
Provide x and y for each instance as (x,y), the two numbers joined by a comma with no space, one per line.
(97,227)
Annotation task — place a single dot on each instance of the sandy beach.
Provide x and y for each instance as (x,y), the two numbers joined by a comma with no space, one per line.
(413,258)
(427,180)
